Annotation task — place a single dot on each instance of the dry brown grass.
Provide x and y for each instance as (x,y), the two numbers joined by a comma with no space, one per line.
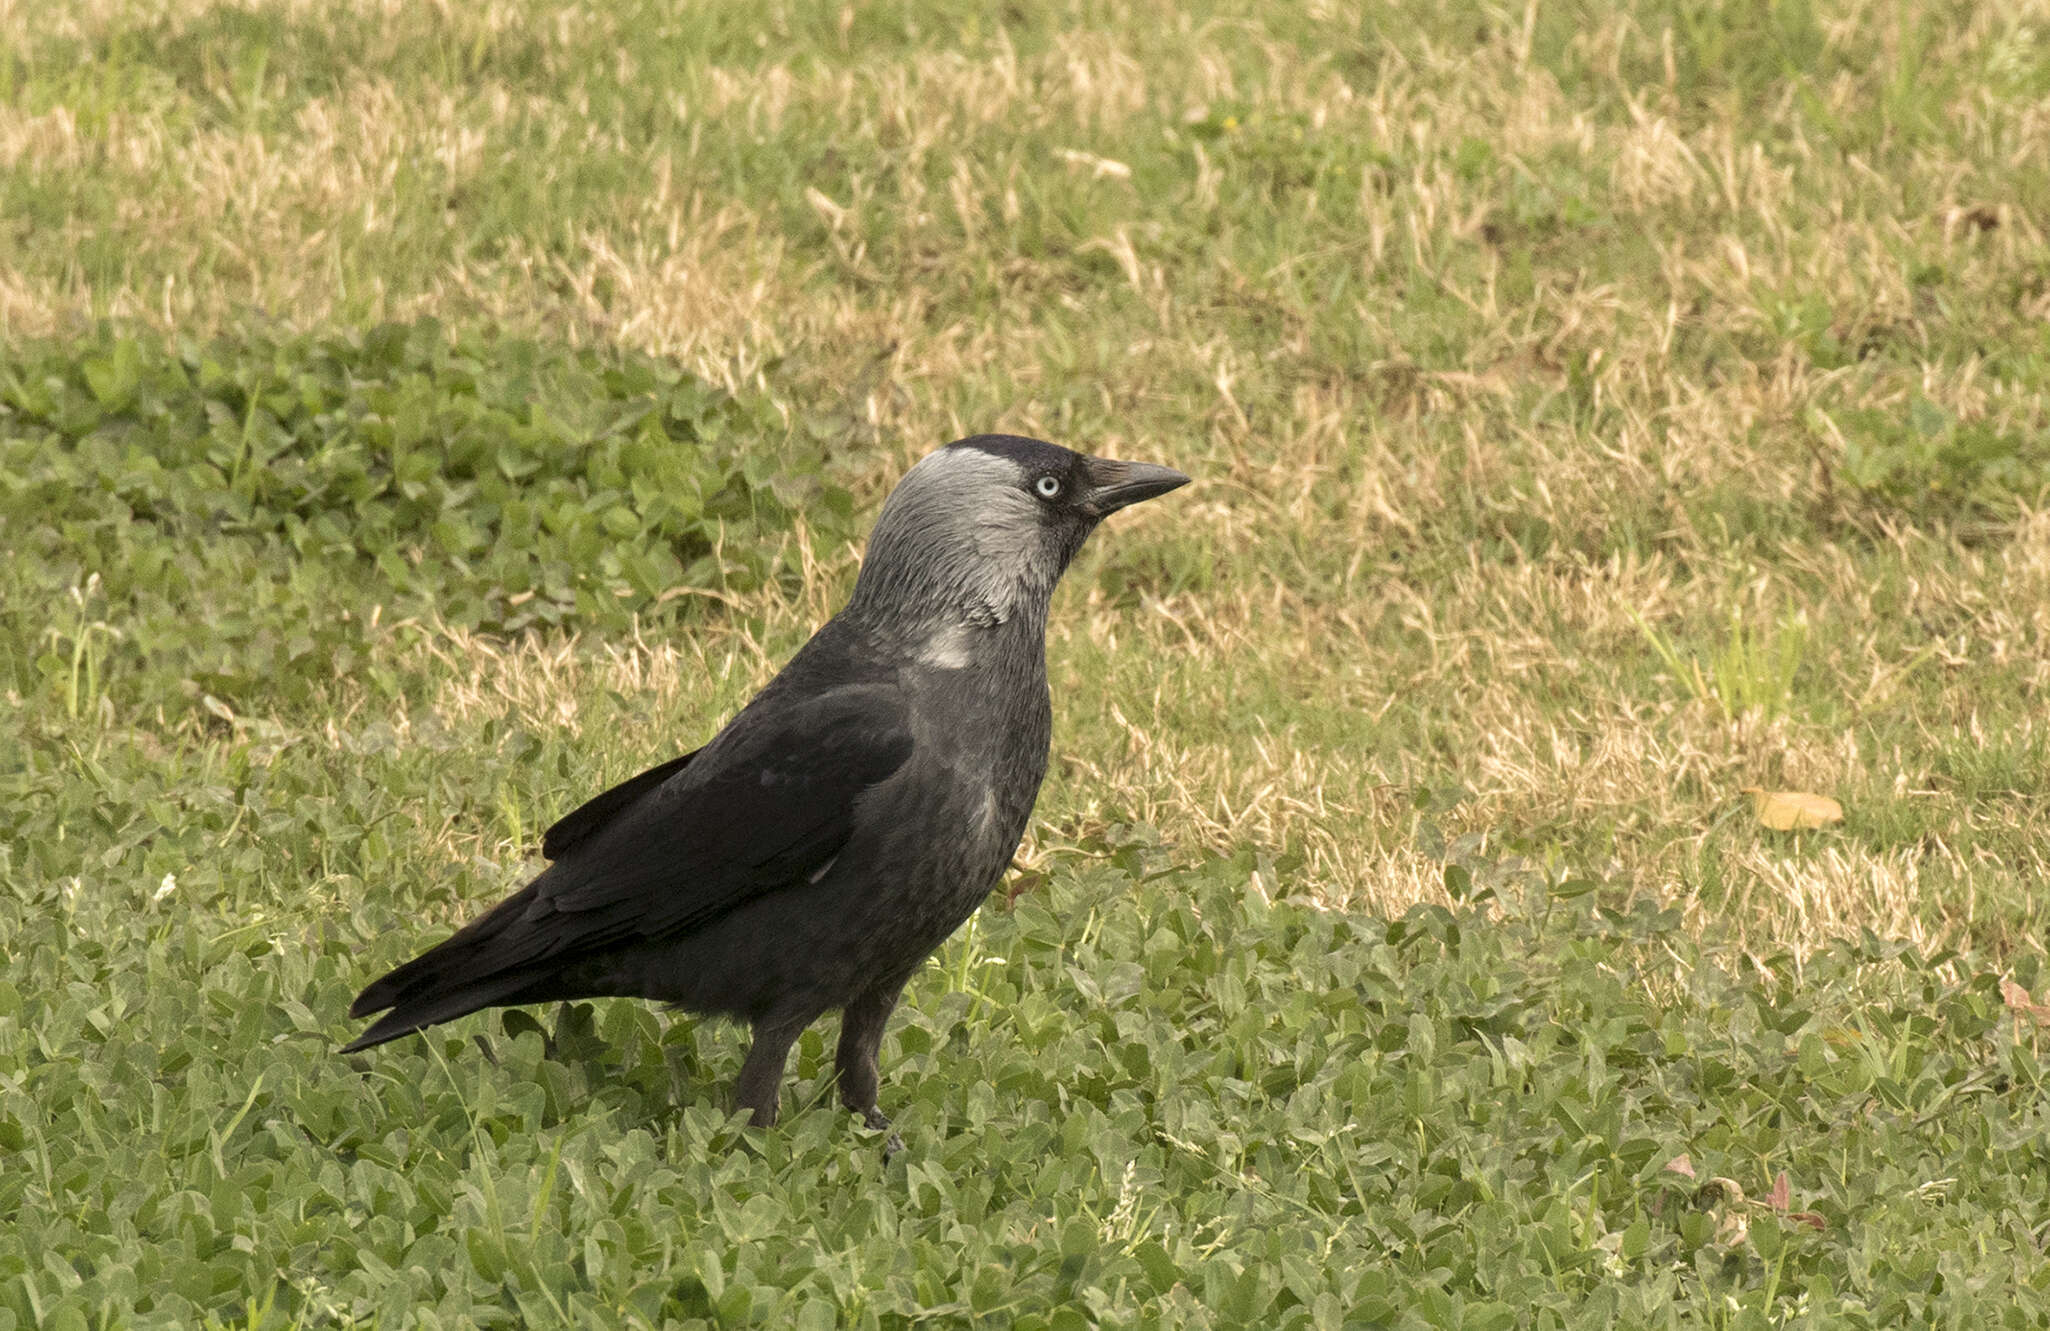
(902,268)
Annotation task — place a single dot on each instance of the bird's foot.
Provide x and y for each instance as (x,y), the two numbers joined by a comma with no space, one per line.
(875,1118)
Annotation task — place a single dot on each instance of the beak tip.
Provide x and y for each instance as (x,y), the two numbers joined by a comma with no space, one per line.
(1128,483)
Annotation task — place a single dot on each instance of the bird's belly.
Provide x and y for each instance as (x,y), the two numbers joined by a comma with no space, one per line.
(919,877)
(895,892)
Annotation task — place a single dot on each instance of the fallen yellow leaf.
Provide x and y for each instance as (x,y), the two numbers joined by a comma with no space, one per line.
(1793,810)
(2022,1005)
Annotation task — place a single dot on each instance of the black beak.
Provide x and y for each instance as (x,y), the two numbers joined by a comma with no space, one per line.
(1115,485)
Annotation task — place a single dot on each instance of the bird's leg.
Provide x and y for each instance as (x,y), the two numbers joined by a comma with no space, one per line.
(761,1076)
(861,1034)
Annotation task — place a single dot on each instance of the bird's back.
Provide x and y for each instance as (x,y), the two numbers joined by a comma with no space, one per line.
(930,842)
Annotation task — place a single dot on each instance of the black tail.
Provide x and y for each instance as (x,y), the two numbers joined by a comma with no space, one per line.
(416,1012)
(461,975)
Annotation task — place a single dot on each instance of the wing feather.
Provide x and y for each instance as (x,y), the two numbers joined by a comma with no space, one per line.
(580,823)
(764,806)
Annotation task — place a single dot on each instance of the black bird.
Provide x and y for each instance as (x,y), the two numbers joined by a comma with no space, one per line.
(846,821)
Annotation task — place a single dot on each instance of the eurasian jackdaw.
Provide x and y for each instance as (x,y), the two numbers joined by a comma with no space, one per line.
(846,821)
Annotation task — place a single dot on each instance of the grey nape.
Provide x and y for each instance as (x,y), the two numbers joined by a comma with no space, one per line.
(845,822)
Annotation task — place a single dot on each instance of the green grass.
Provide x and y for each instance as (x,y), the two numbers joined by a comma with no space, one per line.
(411,421)
(1179,1107)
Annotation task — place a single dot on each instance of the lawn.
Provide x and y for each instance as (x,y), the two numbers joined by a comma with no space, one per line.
(415,417)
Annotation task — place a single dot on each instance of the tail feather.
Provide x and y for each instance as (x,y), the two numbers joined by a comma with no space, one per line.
(416,1012)
(464,960)
(437,969)
(472,969)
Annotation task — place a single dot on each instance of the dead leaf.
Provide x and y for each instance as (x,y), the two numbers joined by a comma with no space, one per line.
(1793,810)
(1023,883)
(1680,1164)
(2022,1005)
(1810,1219)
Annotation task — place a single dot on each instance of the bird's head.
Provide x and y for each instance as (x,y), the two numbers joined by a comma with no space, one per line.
(981,530)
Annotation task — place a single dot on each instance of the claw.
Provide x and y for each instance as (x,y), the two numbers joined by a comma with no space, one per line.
(879,1121)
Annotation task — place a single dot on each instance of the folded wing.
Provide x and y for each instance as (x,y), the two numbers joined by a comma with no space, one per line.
(579,823)
(766,805)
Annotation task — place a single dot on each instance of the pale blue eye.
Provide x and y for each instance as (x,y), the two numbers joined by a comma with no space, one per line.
(1048,486)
